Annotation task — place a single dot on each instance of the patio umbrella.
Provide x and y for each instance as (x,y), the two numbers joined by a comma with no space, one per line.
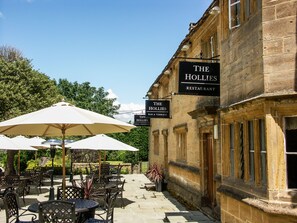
(101,142)
(62,119)
(7,143)
(23,142)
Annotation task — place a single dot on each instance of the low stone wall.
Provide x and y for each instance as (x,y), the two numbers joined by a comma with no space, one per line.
(254,211)
(127,167)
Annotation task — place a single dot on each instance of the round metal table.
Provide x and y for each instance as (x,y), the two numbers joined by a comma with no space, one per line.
(84,207)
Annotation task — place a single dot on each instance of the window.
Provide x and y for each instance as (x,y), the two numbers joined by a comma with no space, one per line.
(232,150)
(181,142)
(247,151)
(263,158)
(248,8)
(209,47)
(234,13)
(156,142)
(291,151)
(241,152)
(251,151)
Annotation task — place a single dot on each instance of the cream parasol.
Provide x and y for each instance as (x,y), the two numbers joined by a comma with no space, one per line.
(62,119)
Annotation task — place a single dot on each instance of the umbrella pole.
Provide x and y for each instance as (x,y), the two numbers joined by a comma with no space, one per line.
(19,163)
(99,168)
(63,163)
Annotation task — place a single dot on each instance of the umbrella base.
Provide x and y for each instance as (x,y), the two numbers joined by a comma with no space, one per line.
(51,193)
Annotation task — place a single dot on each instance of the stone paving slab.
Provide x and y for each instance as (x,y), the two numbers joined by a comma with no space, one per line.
(140,205)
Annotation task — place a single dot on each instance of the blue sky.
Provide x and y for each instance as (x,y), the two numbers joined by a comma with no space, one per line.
(121,45)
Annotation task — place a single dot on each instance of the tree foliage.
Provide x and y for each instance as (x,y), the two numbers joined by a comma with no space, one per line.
(138,138)
(22,89)
(87,97)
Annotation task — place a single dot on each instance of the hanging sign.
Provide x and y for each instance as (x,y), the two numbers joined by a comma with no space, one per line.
(141,120)
(197,78)
(157,108)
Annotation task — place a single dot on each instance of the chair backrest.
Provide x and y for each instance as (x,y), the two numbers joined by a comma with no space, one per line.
(105,167)
(12,179)
(111,200)
(11,205)
(56,211)
(70,192)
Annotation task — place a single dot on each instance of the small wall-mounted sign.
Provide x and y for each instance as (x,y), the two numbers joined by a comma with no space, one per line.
(141,120)
(197,78)
(157,108)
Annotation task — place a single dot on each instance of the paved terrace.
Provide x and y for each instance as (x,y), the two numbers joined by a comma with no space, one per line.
(140,205)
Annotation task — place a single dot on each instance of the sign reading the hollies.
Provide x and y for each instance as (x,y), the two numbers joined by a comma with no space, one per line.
(198,78)
(157,108)
(141,120)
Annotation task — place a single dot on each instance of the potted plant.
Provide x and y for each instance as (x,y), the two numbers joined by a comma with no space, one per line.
(155,174)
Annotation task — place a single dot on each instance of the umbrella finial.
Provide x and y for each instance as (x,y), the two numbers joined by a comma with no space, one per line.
(62,103)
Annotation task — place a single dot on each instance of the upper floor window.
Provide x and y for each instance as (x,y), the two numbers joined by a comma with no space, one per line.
(234,13)
(209,46)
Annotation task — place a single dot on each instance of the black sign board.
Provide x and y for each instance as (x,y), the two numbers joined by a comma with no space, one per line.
(197,78)
(157,108)
(141,120)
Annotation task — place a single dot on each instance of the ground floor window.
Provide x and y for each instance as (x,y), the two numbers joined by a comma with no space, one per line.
(181,142)
(291,150)
(247,151)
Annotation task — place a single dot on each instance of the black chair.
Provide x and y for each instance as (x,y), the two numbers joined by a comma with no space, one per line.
(5,191)
(107,215)
(12,180)
(71,192)
(21,189)
(120,187)
(100,194)
(12,208)
(36,181)
(56,211)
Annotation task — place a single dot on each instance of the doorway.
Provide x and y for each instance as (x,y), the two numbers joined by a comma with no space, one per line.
(208,169)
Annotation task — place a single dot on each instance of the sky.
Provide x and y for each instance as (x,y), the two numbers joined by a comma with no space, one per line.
(120,45)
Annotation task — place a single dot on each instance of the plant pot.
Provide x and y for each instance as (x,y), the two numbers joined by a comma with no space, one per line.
(158,186)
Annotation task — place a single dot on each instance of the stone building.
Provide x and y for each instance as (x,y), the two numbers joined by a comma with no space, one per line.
(235,152)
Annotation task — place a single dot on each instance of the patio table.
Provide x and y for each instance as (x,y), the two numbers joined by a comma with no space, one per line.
(83,207)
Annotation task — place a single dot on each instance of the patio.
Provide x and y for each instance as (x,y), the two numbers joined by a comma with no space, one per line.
(140,205)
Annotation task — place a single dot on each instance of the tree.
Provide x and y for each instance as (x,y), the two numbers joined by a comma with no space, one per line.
(88,97)
(22,89)
(138,138)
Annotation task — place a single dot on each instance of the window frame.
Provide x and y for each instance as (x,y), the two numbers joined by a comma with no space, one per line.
(181,142)
(236,3)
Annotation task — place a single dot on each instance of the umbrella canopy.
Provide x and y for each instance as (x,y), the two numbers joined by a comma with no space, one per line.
(101,142)
(7,143)
(24,143)
(62,119)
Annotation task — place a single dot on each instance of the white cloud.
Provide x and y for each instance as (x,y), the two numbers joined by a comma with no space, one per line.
(126,111)
(111,94)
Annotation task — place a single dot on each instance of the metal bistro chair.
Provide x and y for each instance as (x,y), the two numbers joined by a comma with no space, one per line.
(106,216)
(71,192)
(11,204)
(56,211)
(5,191)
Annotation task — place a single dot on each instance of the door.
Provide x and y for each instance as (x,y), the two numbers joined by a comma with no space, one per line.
(208,169)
